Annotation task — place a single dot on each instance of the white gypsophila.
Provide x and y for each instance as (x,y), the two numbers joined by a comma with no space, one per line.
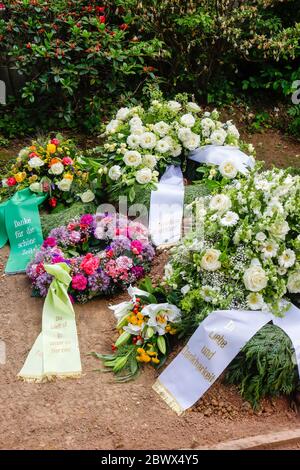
(279,229)
(136,121)
(228,169)
(260,236)
(220,203)
(255,301)
(174,106)
(185,289)
(193,107)
(123,114)
(161,128)
(184,133)
(24,153)
(162,146)
(112,126)
(64,185)
(133,141)
(218,137)
(87,196)
(149,161)
(287,258)
(210,260)
(115,172)
(187,120)
(255,278)
(232,130)
(143,176)
(148,140)
(132,158)
(57,168)
(192,142)
(36,187)
(293,284)
(207,126)
(176,150)
(35,162)
(229,219)
(269,249)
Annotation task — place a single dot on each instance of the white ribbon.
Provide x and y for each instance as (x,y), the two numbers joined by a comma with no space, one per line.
(215,343)
(217,154)
(166,208)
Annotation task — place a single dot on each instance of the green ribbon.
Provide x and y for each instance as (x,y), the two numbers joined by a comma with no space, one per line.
(55,352)
(21,225)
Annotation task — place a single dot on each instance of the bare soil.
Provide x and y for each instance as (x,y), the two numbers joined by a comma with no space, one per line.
(94,412)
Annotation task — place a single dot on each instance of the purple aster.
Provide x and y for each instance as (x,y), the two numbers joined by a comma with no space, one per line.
(138,272)
(99,281)
(148,252)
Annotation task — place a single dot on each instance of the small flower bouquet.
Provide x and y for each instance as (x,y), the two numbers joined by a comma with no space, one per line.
(144,327)
(246,251)
(140,143)
(106,253)
(50,166)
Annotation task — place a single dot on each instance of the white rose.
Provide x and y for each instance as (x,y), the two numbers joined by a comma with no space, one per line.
(287,259)
(210,260)
(260,236)
(64,185)
(87,196)
(220,203)
(218,137)
(149,161)
(187,120)
(232,131)
(161,128)
(133,141)
(163,146)
(255,278)
(184,133)
(176,151)
(132,158)
(144,176)
(123,113)
(137,130)
(57,169)
(293,284)
(115,172)
(193,107)
(279,229)
(148,140)
(174,105)
(255,301)
(35,162)
(112,126)
(192,142)
(36,188)
(136,122)
(228,169)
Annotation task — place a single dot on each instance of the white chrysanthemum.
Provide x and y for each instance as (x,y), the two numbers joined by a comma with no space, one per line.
(35,162)
(210,260)
(132,158)
(136,121)
(192,142)
(255,301)
(133,141)
(64,185)
(228,169)
(193,107)
(57,169)
(112,126)
(184,133)
(144,176)
(220,203)
(123,114)
(161,128)
(269,249)
(174,105)
(229,219)
(187,120)
(232,131)
(218,137)
(149,161)
(115,172)
(87,196)
(148,140)
(255,278)
(287,259)
(293,284)
(162,146)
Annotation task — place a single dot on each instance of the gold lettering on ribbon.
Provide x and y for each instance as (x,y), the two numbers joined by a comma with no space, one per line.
(209,376)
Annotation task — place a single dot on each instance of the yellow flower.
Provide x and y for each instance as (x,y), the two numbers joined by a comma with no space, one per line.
(140,351)
(168,328)
(140,316)
(68,176)
(51,148)
(33,178)
(20,176)
(155,360)
(151,353)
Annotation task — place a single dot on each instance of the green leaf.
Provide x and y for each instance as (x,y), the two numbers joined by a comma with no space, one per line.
(161,344)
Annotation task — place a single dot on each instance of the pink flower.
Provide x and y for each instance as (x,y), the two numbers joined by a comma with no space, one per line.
(11,181)
(87,219)
(75,236)
(50,241)
(90,264)
(79,282)
(67,161)
(136,247)
(54,141)
(123,262)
